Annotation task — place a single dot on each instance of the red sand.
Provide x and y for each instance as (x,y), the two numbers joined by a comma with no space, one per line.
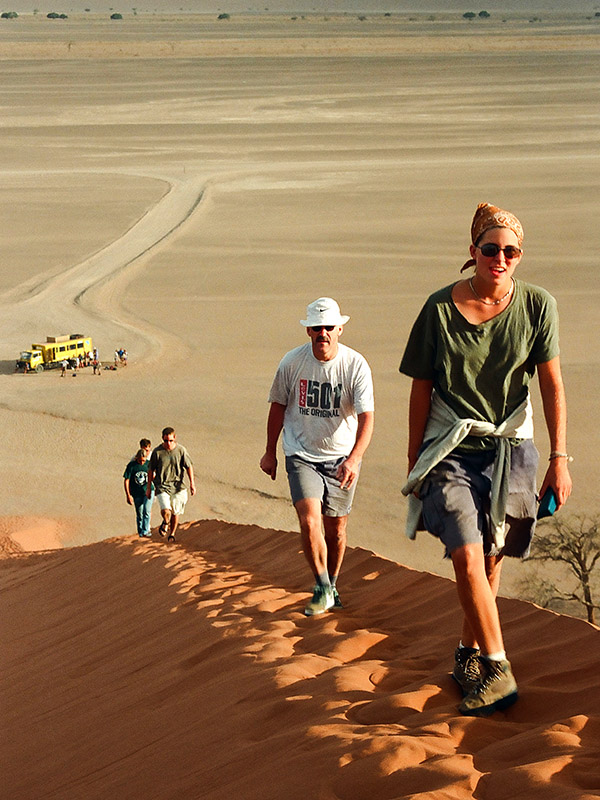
(133,669)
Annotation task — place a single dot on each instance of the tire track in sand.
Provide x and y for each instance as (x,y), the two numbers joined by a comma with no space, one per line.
(93,287)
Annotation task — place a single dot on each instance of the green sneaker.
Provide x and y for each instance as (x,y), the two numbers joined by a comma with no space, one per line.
(495,690)
(466,670)
(321,601)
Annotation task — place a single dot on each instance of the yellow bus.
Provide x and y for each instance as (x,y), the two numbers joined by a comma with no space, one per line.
(53,351)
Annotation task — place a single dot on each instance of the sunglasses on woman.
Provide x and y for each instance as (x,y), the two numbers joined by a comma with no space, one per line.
(490,249)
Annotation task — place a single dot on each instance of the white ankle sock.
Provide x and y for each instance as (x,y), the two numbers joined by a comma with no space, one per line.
(323,580)
(499,656)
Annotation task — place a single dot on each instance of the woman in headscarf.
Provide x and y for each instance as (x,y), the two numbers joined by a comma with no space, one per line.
(472,463)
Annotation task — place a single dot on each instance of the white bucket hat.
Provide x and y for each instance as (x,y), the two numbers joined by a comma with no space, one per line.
(324,311)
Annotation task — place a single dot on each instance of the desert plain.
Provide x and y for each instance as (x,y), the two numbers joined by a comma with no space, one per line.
(183,186)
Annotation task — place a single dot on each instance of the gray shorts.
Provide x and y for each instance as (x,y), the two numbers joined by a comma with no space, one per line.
(456,500)
(316,479)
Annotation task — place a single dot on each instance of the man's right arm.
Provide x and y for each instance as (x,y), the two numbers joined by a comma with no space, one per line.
(268,462)
(127,492)
(150,479)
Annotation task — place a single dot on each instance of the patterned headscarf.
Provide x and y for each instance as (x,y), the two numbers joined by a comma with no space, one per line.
(488,216)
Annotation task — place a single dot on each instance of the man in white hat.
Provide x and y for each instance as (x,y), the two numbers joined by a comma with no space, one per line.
(322,399)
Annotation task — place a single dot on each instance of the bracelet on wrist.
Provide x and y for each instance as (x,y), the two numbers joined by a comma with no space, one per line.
(556,454)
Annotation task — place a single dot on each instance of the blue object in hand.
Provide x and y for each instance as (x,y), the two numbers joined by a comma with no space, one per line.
(548,504)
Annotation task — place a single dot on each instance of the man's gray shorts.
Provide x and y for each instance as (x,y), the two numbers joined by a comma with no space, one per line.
(456,500)
(317,479)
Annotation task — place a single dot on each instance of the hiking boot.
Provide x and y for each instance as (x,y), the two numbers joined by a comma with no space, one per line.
(337,603)
(321,601)
(495,691)
(466,670)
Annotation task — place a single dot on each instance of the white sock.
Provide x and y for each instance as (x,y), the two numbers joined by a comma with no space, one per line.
(323,580)
(499,656)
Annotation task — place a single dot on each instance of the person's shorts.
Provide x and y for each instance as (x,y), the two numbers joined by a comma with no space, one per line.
(456,500)
(317,479)
(174,502)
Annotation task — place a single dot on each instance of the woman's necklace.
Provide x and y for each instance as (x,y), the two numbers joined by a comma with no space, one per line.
(492,302)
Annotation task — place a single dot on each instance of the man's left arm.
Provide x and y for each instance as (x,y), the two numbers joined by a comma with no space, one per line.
(190,473)
(555,411)
(348,470)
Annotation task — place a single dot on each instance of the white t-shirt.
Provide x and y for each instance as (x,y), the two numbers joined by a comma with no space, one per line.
(323,400)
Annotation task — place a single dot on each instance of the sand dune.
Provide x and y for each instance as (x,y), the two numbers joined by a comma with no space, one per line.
(190,672)
(345,160)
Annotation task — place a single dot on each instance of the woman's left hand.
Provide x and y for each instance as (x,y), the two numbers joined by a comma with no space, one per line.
(558,477)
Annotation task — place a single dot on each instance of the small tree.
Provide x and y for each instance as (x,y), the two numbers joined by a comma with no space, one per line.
(572,541)
(469,15)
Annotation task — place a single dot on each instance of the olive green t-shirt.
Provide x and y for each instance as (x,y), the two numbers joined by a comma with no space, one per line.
(169,468)
(482,371)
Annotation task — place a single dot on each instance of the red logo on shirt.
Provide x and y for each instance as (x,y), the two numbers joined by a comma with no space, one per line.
(302,401)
